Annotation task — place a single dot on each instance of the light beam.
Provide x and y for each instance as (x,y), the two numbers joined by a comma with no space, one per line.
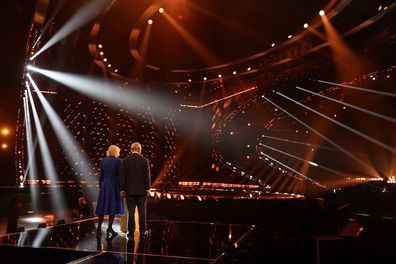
(57,198)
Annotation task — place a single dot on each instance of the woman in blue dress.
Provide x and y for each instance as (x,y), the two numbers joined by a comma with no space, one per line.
(109,198)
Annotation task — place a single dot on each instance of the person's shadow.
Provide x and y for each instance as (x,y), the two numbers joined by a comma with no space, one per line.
(136,256)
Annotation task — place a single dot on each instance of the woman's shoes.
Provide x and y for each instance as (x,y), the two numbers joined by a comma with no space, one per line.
(110,234)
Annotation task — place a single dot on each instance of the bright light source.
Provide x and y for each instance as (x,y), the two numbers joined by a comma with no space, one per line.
(5,131)
(161,10)
(34,219)
(306,25)
(189,80)
(150,22)
(4,146)
(273,45)
(290,36)
(234,72)
(101,53)
(100,46)
(104,59)
(109,65)
(219,75)
(249,68)
(204,78)
(29,67)
(321,13)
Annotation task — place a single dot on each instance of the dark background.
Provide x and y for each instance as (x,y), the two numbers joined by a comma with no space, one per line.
(15,18)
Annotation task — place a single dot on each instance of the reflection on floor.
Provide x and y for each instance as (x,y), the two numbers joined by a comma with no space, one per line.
(168,241)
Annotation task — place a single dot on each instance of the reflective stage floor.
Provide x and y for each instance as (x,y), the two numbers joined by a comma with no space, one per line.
(168,242)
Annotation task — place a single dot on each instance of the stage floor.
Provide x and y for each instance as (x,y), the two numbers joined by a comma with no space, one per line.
(168,242)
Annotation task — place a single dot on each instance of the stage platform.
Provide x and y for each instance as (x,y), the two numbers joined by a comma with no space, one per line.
(168,242)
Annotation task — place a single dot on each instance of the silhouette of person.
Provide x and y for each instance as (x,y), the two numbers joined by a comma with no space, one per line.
(83,209)
(135,184)
(13,215)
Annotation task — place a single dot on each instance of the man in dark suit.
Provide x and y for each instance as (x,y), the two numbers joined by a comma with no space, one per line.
(135,184)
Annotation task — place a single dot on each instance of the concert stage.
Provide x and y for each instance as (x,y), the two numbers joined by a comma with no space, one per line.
(168,242)
(198,226)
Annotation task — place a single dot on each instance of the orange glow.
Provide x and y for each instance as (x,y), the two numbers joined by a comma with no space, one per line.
(150,22)
(317,33)
(138,68)
(208,56)
(5,131)
(349,64)
(4,146)
(219,100)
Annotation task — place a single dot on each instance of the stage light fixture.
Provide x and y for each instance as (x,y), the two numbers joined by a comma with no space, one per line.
(5,131)
(306,25)
(150,22)
(321,13)
(161,10)
(100,46)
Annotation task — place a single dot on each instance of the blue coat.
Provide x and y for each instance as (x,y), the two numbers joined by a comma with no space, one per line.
(109,198)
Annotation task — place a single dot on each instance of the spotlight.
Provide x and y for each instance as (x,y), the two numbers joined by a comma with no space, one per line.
(5,131)
(4,146)
(204,78)
(161,10)
(219,75)
(290,36)
(150,22)
(100,46)
(321,13)
(29,67)
(273,45)
(234,72)
(101,53)
(189,80)
(306,25)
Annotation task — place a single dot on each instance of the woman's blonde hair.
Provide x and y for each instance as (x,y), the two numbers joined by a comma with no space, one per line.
(113,151)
